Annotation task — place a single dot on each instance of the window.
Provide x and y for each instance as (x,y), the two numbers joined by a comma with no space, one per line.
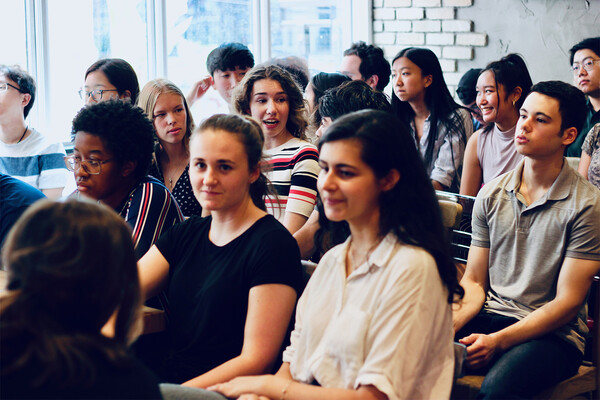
(56,41)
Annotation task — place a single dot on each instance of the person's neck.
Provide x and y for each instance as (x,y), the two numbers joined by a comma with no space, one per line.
(117,198)
(365,238)
(228,225)
(275,141)
(538,176)
(173,152)
(508,121)
(595,101)
(12,130)
(420,108)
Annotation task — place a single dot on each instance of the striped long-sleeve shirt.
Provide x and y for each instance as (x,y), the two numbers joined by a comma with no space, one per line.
(150,210)
(293,168)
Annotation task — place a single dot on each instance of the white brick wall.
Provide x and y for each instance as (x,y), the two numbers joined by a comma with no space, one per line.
(432,24)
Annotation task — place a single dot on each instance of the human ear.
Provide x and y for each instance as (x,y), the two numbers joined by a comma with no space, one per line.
(390,180)
(372,81)
(128,168)
(26,99)
(516,95)
(428,80)
(254,175)
(569,135)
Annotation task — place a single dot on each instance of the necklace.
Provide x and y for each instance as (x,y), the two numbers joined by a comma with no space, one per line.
(176,173)
(365,257)
(23,135)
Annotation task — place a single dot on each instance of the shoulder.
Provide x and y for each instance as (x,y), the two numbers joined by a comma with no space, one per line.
(45,146)
(268,226)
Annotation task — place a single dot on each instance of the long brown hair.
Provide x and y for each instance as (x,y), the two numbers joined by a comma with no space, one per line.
(71,266)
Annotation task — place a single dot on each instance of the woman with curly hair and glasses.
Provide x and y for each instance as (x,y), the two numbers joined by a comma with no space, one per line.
(273,98)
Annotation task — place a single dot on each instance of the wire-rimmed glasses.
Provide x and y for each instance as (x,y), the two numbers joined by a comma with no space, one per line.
(92,167)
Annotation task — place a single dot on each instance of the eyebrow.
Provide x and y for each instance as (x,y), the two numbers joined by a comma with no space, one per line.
(265,93)
(536,113)
(585,59)
(91,151)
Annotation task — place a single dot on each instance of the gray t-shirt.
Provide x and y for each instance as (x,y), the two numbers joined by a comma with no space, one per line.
(528,244)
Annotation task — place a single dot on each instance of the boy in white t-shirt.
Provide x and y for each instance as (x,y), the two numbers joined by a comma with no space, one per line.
(24,153)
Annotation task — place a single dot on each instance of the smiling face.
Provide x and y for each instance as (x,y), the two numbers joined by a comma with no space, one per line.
(114,181)
(348,187)
(169,118)
(270,107)
(225,81)
(538,133)
(219,171)
(408,80)
(493,101)
(587,81)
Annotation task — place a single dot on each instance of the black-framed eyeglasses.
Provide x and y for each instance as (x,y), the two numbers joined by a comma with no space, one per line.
(588,65)
(4,87)
(95,94)
(92,167)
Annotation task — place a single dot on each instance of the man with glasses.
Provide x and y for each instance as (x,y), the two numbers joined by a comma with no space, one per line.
(585,64)
(24,153)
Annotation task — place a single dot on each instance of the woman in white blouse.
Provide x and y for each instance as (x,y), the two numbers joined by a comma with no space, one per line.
(374,321)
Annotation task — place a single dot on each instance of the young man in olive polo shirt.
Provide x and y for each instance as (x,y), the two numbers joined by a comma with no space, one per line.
(534,252)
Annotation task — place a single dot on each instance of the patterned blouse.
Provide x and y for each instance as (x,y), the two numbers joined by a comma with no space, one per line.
(182,191)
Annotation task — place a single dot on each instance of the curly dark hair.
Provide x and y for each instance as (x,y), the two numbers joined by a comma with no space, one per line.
(372,62)
(297,122)
(124,129)
(352,96)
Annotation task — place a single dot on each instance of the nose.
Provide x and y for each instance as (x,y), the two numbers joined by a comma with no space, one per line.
(210,178)
(524,124)
(81,173)
(398,80)
(271,108)
(326,181)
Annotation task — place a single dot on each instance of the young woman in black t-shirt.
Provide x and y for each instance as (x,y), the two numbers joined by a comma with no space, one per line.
(232,278)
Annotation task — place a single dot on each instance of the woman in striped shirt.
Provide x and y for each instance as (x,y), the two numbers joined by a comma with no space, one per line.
(271,96)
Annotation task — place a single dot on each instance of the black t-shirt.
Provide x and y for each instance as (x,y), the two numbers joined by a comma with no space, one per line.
(209,286)
(130,380)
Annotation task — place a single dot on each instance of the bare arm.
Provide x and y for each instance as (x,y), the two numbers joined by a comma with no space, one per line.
(153,269)
(305,236)
(584,164)
(475,283)
(53,193)
(574,281)
(472,175)
(198,90)
(269,310)
(293,221)
(278,387)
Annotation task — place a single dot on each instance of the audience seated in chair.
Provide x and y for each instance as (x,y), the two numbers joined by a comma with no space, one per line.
(364,325)
(585,64)
(24,152)
(334,103)
(164,103)
(271,96)
(72,306)
(501,89)
(439,126)
(113,142)
(523,314)
(232,278)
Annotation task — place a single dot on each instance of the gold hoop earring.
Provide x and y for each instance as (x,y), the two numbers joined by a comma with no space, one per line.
(514,103)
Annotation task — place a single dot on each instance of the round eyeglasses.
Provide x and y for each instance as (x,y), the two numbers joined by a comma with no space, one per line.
(92,167)
(95,94)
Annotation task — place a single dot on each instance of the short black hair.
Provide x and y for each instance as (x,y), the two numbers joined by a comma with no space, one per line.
(372,62)
(23,80)
(124,129)
(120,73)
(466,86)
(352,96)
(592,44)
(571,102)
(228,56)
(297,67)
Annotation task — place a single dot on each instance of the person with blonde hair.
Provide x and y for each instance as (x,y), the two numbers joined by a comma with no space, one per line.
(165,104)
